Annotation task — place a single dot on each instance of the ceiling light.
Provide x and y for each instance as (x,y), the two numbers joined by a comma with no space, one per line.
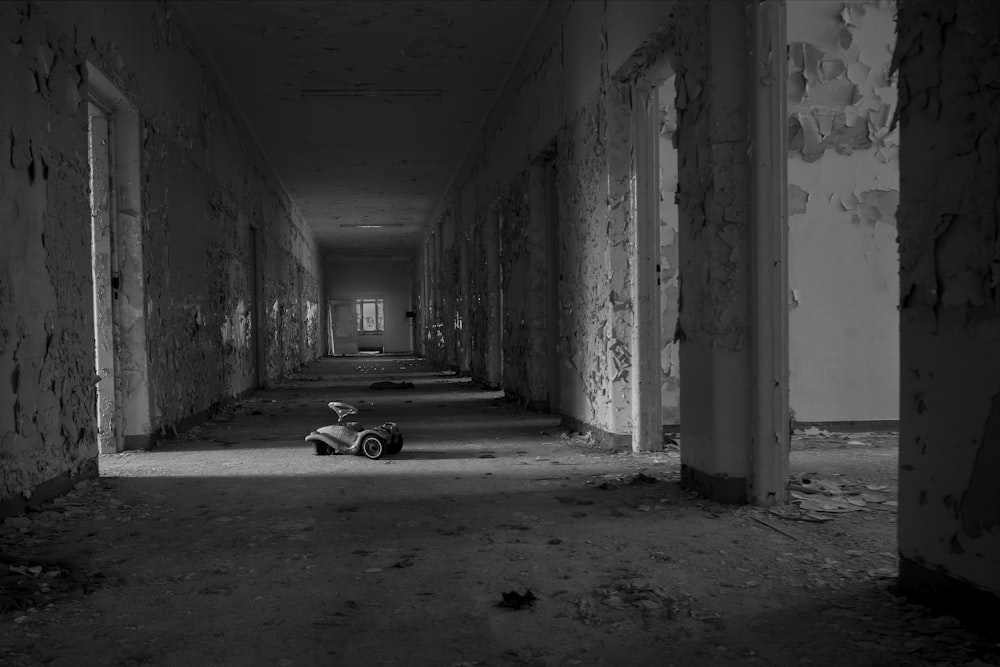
(366,225)
(364,92)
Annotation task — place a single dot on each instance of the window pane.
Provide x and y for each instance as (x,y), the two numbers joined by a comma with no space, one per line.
(370,324)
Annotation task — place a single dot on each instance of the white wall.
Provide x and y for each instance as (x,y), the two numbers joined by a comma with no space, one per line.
(843,191)
(386,279)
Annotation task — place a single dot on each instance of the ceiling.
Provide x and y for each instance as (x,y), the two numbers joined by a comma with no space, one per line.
(365,109)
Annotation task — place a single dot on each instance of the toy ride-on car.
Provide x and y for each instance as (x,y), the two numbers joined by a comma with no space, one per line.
(353,438)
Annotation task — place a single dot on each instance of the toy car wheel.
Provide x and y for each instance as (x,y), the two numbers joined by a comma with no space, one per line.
(395,445)
(322,449)
(373,447)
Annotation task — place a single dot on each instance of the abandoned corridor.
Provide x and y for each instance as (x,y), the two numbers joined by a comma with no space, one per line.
(235,544)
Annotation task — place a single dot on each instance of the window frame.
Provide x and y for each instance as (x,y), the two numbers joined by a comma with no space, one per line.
(359,309)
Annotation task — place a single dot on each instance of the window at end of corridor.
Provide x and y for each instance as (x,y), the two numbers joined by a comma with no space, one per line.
(370,316)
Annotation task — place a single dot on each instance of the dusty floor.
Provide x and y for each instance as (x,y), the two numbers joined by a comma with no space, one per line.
(234,544)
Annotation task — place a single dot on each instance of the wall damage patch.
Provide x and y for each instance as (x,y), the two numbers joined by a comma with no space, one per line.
(203,180)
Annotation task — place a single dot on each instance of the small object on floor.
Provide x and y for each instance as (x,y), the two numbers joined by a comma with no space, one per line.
(643,478)
(387,384)
(514,600)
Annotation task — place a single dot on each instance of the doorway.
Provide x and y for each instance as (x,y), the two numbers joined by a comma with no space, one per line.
(345,329)
(109,432)
(124,405)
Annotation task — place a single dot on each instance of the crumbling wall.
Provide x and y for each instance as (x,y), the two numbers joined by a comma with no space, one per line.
(479,299)
(447,281)
(843,175)
(567,89)
(713,199)
(203,181)
(669,258)
(522,262)
(948,58)
(47,395)
(206,183)
(583,241)
(434,343)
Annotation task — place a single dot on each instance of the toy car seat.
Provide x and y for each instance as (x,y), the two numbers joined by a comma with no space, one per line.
(342,410)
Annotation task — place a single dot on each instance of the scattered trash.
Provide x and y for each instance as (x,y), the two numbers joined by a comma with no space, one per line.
(515,600)
(813,431)
(805,484)
(819,495)
(388,384)
(635,594)
(643,478)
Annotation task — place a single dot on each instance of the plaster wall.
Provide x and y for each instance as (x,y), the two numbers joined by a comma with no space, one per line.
(843,173)
(949,233)
(522,263)
(670,365)
(203,182)
(569,89)
(373,278)
(713,202)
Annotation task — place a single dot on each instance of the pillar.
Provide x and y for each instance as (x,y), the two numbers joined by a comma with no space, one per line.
(732,329)
(948,55)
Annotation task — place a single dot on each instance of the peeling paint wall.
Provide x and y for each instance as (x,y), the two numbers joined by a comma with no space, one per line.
(588,344)
(713,204)
(569,88)
(522,263)
(669,258)
(948,59)
(843,175)
(203,182)
(377,278)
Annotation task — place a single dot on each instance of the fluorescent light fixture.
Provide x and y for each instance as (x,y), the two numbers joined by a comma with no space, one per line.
(364,92)
(373,225)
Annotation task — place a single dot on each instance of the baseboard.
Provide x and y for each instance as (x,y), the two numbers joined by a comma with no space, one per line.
(48,490)
(602,438)
(169,432)
(720,488)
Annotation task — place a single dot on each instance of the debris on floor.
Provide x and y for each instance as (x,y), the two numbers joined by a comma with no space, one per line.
(812,431)
(388,384)
(643,478)
(671,573)
(812,494)
(515,600)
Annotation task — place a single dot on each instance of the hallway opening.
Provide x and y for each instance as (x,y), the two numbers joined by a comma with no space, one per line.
(484,498)
(104,277)
(119,286)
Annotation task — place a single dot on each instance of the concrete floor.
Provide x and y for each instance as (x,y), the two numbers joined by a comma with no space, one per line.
(235,545)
